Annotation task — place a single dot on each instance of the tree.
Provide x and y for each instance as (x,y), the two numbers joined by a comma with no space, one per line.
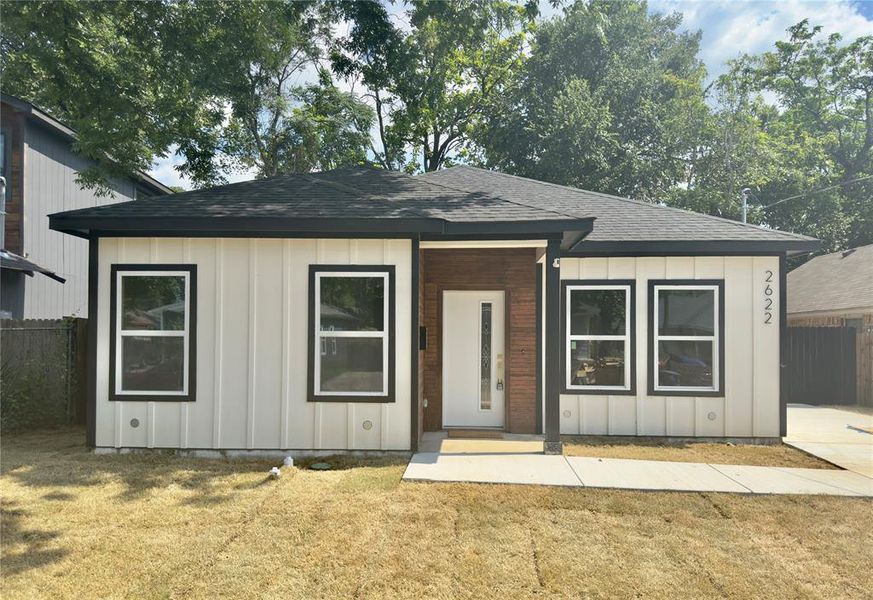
(603,102)
(315,127)
(214,80)
(103,68)
(825,89)
(431,86)
(792,124)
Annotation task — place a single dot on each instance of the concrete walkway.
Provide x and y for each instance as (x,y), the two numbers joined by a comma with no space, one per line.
(841,437)
(574,471)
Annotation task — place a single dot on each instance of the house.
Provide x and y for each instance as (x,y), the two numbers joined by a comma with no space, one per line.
(833,290)
(357,308)
(40,166)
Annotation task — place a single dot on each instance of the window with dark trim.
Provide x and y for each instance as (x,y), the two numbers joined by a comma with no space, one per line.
(686,338)
(153,337)
(351,333)
(599,339)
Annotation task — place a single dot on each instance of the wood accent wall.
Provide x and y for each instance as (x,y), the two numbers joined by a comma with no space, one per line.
(13,126)
(511,270)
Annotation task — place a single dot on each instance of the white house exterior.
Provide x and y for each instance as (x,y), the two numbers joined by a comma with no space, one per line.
(355,309)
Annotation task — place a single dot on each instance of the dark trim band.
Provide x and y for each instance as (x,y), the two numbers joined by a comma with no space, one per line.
(414,349)
(191,269)
(693,248)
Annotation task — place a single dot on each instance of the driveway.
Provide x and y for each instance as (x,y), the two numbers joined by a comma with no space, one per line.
(841,437)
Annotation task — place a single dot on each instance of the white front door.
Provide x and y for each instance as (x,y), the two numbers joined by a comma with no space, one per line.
(474,374)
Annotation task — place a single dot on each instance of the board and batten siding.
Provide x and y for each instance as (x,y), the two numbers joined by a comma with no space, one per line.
(50,170)
(252,326)
(750,406)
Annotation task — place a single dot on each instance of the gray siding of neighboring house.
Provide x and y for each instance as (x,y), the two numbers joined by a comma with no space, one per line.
(50,170)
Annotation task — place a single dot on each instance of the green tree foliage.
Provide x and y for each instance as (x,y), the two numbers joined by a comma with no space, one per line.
(795,124)
(602,103)
(432,85)
(214,79)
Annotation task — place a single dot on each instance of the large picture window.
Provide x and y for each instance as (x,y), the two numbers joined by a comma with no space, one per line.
(351,333)
(153,337)
(686,347)
(598,337)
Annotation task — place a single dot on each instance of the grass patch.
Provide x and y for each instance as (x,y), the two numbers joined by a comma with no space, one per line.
(769,455)
(78,525)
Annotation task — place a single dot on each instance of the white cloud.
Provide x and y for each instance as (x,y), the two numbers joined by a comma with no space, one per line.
(732,28)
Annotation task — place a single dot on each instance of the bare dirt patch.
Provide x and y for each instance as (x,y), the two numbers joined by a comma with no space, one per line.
(768,455)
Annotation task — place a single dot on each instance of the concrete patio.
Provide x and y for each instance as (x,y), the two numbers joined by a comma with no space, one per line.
(520,461)
(841,437)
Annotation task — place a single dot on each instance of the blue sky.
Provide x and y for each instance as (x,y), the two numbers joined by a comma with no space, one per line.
(730,28)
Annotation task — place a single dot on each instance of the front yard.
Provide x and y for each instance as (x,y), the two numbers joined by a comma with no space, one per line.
(79,525)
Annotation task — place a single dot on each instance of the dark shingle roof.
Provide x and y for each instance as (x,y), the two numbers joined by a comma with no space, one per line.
(618,219)
(833,282)
(456,201)
(357,192)
(343,199)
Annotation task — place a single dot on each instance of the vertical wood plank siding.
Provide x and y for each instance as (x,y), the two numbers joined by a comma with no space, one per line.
(750,406)
(252,359)
(49,186)
(511,270)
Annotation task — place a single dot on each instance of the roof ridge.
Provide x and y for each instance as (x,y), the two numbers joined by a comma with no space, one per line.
(555,212)
(639,202)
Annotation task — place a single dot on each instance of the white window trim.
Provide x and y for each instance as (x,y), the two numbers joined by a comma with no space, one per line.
(626,338)
(121,333)
(713,339)
(320,335)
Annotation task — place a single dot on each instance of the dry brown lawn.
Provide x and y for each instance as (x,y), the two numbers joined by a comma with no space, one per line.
(773,455)
(76,525)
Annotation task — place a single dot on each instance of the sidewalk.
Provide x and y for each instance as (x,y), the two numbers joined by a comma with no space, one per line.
(575,471)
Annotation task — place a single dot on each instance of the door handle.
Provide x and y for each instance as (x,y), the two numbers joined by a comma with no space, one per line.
(500,372)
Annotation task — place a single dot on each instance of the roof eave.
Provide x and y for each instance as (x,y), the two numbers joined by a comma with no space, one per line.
(693,247)
(92,226)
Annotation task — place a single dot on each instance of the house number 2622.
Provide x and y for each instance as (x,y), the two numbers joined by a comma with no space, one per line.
(768,297)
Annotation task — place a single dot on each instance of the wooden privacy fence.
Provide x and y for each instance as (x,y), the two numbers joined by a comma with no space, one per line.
(822,365)
(42,373)
(864,344)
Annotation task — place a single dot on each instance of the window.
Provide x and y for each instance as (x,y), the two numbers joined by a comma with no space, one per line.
(485,356)
(598,337)
(686,351)
(351,333)
(153,332)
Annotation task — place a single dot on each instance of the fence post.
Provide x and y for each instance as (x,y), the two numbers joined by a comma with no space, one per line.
(80,370)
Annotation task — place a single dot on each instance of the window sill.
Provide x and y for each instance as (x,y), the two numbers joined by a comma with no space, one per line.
(149,398)
(682,392)
(361,399)
(598,392)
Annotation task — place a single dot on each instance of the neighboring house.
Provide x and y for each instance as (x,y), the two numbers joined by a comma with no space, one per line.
(833,290)
(40,169)
(354,309)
